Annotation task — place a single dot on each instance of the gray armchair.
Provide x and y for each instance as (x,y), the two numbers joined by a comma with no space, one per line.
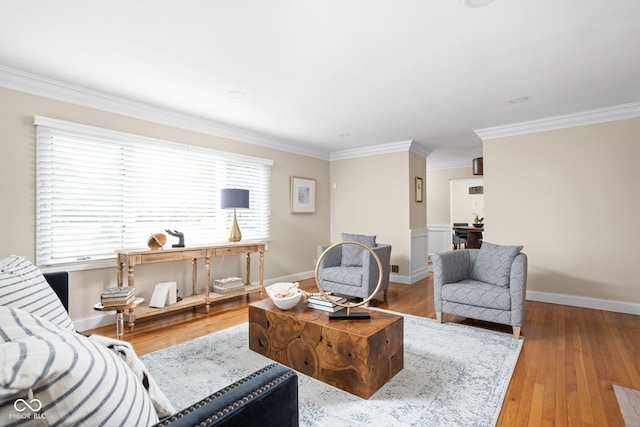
(350,270)
(488,284)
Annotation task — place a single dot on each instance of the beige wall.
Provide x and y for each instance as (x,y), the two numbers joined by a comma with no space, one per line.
(571,197)
(374,196)
(295,237)
(438,192)
(418,211)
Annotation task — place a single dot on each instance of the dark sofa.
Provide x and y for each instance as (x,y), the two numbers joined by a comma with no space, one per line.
(268,397)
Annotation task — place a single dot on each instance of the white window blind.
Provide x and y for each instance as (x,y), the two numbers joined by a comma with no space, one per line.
(100,190)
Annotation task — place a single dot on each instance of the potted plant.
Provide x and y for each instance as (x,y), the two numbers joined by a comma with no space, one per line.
(478,222)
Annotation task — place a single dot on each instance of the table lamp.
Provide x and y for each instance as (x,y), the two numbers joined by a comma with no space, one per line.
(237,199)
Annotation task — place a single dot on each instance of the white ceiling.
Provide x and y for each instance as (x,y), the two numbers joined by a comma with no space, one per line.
(383,71)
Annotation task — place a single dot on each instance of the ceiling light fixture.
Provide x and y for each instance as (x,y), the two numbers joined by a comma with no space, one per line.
(478,166)
(344,135)
(236,94)
(477,3)
(519,100)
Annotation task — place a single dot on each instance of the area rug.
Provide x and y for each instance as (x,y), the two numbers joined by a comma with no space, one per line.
(629,402)
(454,375)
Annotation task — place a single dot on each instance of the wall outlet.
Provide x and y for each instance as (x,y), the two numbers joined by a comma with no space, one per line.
(395,268)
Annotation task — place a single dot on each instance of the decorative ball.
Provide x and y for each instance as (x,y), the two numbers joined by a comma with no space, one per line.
(156,241)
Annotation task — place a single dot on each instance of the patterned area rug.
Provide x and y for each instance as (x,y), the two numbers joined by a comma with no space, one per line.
(454,375)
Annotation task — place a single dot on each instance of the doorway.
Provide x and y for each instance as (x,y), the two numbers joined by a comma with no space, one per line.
(466,200)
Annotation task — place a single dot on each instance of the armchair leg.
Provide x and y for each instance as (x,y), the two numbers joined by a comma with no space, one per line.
(516,332)
(439,317)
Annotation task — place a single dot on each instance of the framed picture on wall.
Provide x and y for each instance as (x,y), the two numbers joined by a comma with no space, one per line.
(419,190)
(303,195)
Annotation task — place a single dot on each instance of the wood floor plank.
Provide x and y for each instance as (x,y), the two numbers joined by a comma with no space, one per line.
(604,367)
(582,381)
(563,377)
(537,400)
(528,368)
(559,402)
(625,336)
(574,416)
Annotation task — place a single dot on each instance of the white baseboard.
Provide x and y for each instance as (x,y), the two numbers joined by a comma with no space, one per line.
(97,321)
(396,278)
(399,278)
(420,274)
(291,277)
(84,324)
(410,280)
(577,301)
(100,320)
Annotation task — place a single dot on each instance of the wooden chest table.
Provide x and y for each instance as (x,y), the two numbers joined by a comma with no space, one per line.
(358,356)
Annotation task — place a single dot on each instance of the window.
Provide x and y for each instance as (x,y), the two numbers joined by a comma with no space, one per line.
(99,190)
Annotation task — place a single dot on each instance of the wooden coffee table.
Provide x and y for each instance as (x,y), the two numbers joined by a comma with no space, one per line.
(358,356)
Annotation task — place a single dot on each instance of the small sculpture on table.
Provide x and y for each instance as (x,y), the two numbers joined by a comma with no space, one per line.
(179,235)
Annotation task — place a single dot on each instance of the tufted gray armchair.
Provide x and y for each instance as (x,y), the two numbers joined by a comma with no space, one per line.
(488,284)
(350,270)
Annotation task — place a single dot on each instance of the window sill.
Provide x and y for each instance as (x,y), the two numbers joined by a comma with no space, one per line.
(80,265)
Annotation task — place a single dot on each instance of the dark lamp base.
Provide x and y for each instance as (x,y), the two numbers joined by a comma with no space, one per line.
(358,315)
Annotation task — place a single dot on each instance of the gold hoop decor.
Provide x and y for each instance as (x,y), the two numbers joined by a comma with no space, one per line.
(349,305)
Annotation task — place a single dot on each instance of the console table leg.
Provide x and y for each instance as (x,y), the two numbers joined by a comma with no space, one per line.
(120,268)
(132,320)
(248,282)
(119,324)
(194,276)
(261,274)
(131,276)
(207,284)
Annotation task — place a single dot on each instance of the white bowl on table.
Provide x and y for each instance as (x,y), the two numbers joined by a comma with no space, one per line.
(286,302)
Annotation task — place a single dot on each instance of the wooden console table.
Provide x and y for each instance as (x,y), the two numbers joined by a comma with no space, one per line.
(144,256)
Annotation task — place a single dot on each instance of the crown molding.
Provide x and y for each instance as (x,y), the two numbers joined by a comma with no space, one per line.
(49,88)
(616,112)
(448,165)
(393,147)
(419,149)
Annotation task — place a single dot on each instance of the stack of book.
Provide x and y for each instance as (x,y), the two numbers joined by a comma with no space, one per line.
(113,297)
(225,285)
(320,303)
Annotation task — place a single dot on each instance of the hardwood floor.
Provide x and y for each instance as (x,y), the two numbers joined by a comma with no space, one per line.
(564,377)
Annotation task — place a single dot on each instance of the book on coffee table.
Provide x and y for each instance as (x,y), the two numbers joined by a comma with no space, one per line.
(321,300)
(328,308)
